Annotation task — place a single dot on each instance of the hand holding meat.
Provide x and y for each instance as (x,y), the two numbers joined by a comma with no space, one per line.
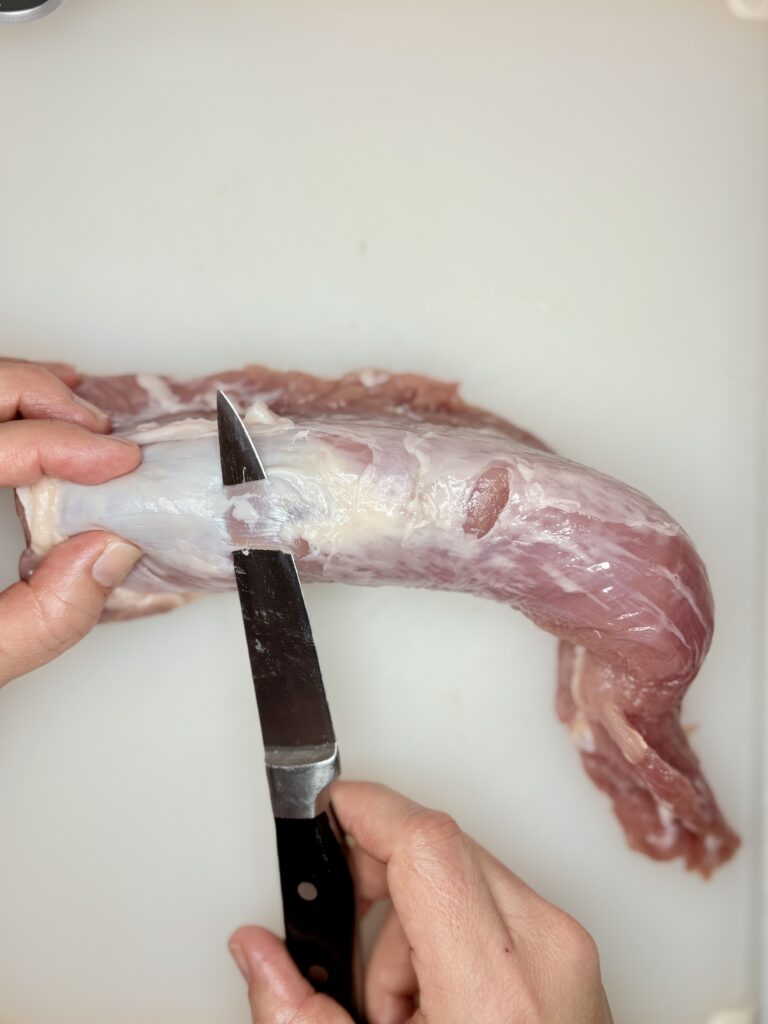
(466,939)
(46,430)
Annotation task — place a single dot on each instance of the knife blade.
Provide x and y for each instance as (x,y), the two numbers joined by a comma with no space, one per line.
(300,748)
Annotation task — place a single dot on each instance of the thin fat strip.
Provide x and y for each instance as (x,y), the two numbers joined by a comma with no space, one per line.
(370,488)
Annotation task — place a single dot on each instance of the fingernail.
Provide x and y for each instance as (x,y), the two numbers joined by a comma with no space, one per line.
(123,440)
(115,562)
(91,408)
(241,960)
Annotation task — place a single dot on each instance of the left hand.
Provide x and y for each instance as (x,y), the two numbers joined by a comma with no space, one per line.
(45,429)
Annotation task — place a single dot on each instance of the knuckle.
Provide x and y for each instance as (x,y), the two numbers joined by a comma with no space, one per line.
(521,997)
(31,376)
(582,946)
(575,949)
(426,829)
(60,622)
(34,388)
(528,1004)
(47,635)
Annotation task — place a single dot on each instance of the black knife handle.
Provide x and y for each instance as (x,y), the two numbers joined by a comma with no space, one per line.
(319,908)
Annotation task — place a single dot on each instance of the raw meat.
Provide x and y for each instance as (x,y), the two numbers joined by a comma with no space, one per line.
(384,479)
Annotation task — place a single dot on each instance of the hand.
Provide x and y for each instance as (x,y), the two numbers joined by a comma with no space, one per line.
(47,430)
(466,940)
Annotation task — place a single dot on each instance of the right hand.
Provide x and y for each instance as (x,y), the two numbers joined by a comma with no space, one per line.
(466,941)
(45,429)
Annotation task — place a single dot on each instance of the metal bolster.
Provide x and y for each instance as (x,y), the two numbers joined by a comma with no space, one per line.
(299,778)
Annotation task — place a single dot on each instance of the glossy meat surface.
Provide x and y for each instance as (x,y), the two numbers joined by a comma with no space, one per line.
(382,479)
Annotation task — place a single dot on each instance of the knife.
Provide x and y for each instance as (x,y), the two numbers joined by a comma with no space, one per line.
(300,748)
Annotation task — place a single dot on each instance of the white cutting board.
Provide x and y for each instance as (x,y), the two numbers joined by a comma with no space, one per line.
(561,204)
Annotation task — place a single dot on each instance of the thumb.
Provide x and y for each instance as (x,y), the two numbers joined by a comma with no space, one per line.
(42,617)
(278,993)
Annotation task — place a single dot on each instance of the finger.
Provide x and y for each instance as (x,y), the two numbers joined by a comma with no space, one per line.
(42,617)
(64,371)
(436,882)
(373,816)
(30,450)
(277,992)
(370,876)
(529,917)
(391,984)
(33,392)
(518,902)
